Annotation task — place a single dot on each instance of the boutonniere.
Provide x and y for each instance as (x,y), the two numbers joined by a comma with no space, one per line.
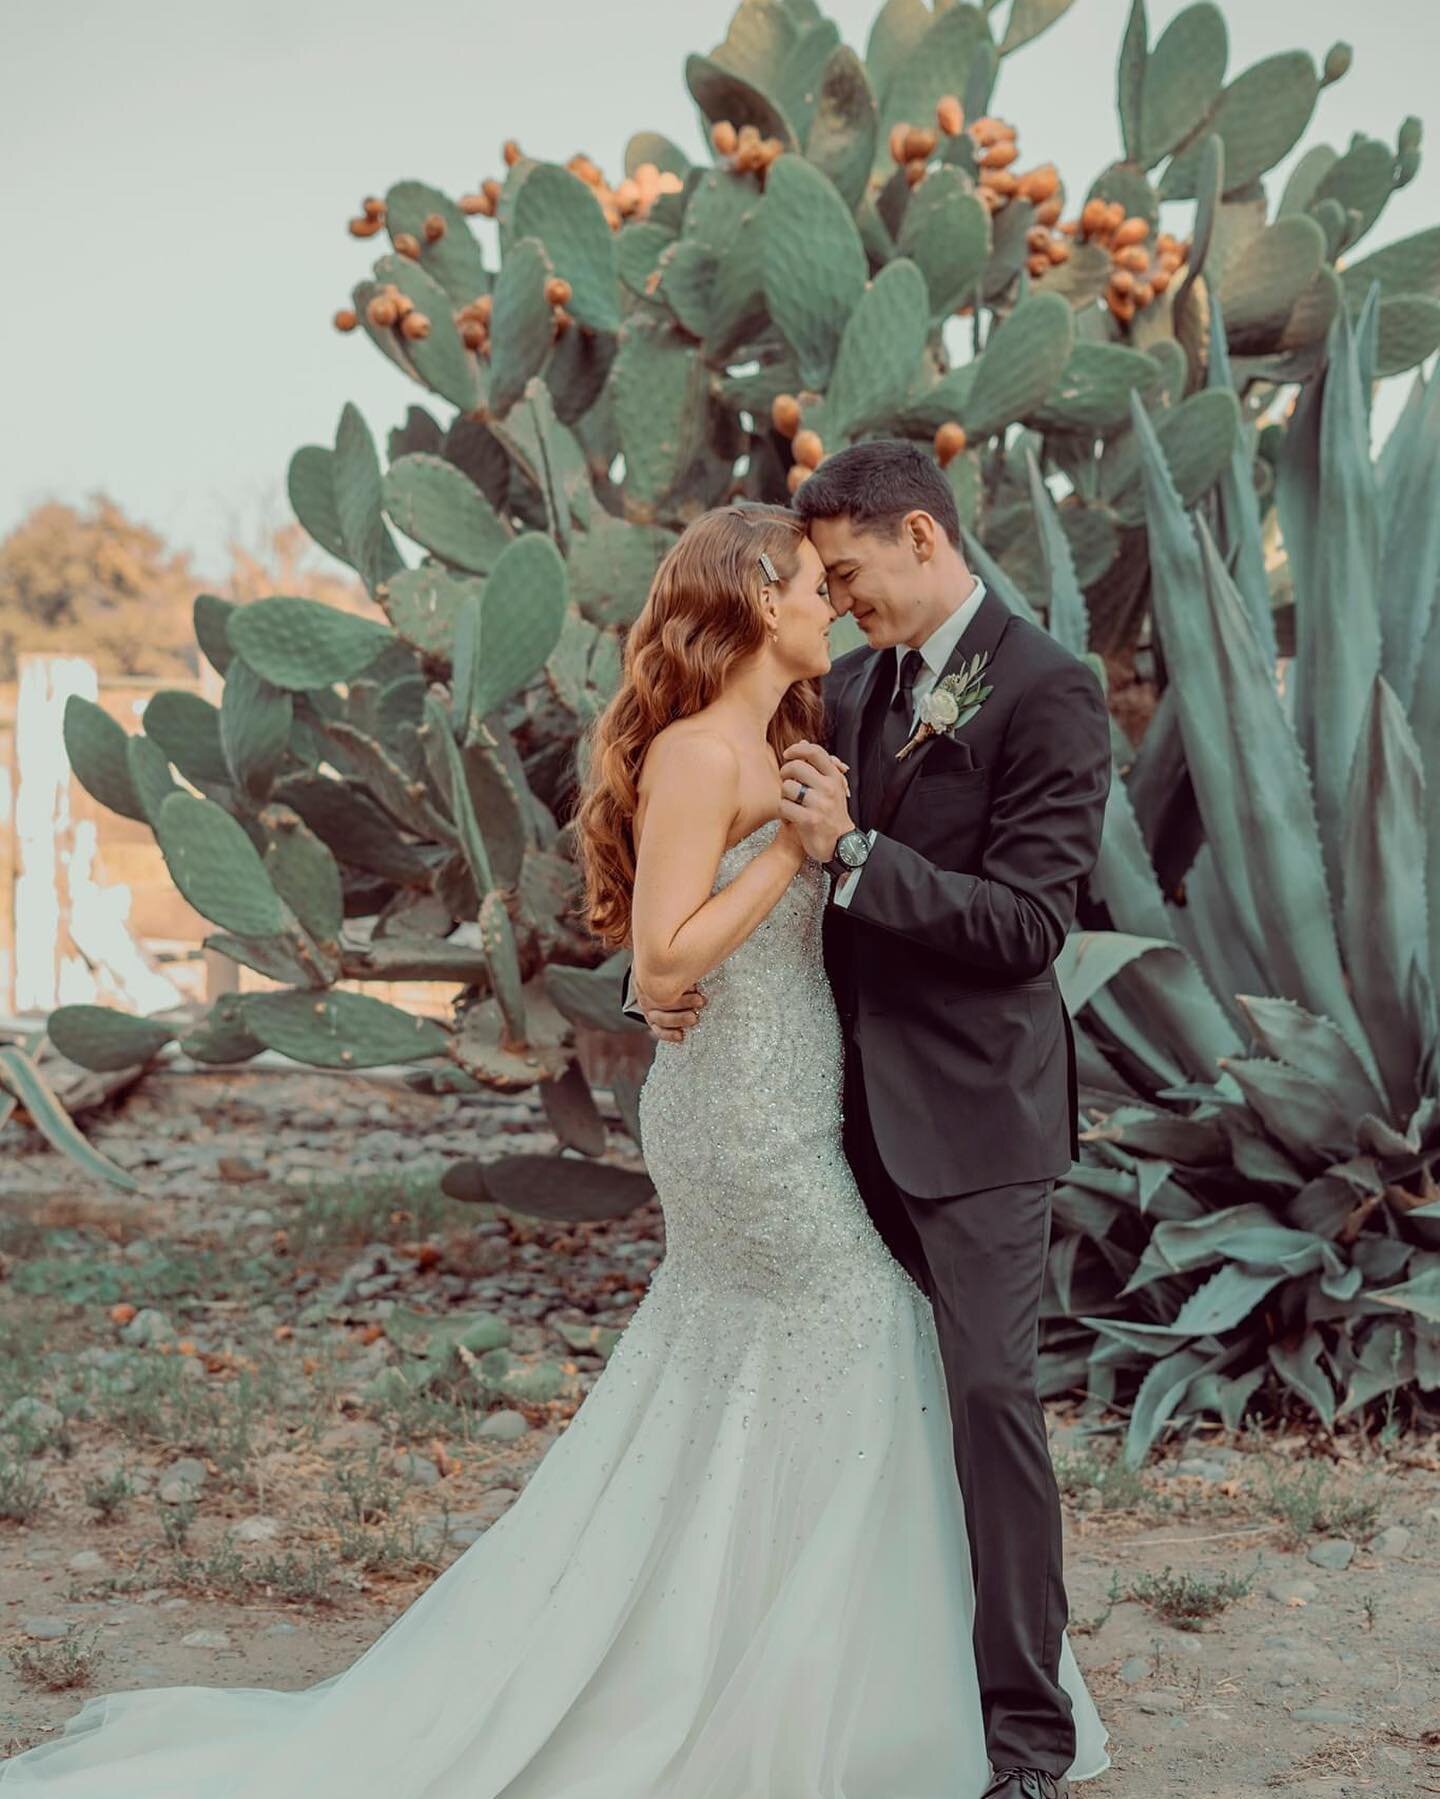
(952,702)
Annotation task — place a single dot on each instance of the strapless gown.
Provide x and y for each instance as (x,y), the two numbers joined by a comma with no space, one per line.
(741,1573)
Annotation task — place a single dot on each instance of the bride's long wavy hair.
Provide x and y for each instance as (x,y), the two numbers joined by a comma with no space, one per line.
(701,618)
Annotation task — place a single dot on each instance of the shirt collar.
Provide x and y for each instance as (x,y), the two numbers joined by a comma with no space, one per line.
(939,646)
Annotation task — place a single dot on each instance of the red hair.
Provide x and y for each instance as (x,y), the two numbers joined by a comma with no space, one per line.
(701,618)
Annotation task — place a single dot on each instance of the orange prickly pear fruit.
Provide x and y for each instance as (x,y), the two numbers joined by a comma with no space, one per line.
(1122,306)
(407,245)
(950,440)
(470,204)
(748,134)
(1048,212)
(1093,219)
(492,189)
(483,307)
(919,141)
(1000,181)
(950,115)
(1161,279)
(989,198)
(1038,263)
(414,325)
(1000,155)
(1058,249)
(364,227)
(1040,184)
(404,305)
(373,207)
(511,152)
(472,333)
(797,477)
(434,227)
(915,171)
(1133,256)
(988,130)
(563,321)
(808,448)
(557,291)
(1114,215)
(724,137)
(785,414)
(345,319)
(1144,293)
(627,195)
(1037,238)
(1121,281)
(898,135)
(1131,231)
(382,312)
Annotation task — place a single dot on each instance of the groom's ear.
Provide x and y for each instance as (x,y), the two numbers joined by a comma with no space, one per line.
(920,534)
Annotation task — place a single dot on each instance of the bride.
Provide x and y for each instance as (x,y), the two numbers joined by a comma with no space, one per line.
(743,1572)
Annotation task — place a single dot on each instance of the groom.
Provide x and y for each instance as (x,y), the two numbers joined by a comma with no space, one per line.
(955,871)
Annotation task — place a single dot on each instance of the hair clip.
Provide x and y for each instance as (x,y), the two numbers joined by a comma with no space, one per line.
(768,567)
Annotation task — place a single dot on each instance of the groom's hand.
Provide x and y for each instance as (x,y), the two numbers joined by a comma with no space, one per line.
(670,1023)
(824,817)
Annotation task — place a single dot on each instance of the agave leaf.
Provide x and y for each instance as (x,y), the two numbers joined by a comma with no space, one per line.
(1300,1369)
(1420,1294)
(1237,507)
(1409,477)
(1160,1394)
(1383,912)
(1225,1299)
(25,1081)
(1385,1363)
(1291,1034)
(1067,617)
(1296,1110)
(1337,654)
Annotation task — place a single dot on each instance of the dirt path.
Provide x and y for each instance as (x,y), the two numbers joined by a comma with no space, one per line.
(243,1485)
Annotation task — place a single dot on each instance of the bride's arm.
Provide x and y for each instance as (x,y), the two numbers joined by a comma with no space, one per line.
(679,928)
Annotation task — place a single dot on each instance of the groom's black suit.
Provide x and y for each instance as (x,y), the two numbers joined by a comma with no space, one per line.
(960,1093)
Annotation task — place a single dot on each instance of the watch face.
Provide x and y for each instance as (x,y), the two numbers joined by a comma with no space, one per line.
(852,848)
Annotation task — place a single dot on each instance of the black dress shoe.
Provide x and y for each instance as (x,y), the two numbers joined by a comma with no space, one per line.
(1026,1783)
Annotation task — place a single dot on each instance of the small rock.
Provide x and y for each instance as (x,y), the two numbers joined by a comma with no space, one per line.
(44,1629)
(1394,1540)
(257,1530)
(418,1468)
(86,1561)
(1332,1552)
(37,1416)
(1324,1714)
(182,1480)
(1159,1702)
(504,1427)
(1136,1669)
(147,1327)
(206,1639)
(237,1169)
(1287,1591)
(357,1433)
(1203,1468)
(493,1505)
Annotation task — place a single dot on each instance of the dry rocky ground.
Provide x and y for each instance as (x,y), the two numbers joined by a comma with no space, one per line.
(237,1486)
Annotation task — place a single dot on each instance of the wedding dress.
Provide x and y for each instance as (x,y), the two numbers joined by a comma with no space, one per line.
(741,1573)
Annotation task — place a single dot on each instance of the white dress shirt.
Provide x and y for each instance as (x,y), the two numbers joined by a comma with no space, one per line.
(937,650)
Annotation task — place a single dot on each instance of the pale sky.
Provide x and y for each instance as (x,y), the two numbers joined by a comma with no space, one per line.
(181,172)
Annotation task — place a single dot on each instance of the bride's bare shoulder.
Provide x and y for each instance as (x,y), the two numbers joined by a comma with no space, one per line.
(690,747)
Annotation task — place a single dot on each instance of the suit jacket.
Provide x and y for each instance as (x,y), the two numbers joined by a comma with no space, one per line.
(942,962)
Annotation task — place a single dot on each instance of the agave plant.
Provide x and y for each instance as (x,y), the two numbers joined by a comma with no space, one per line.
(1257,1201)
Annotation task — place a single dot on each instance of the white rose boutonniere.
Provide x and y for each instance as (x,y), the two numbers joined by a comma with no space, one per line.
(951,703)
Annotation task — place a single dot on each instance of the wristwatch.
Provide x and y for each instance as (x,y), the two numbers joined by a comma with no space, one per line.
(850,853)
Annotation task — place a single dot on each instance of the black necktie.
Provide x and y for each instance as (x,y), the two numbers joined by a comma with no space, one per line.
(895,732)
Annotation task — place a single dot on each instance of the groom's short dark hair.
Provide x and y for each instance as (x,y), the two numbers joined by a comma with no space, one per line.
(875,484)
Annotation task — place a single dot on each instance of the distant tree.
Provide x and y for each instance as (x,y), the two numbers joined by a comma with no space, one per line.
(98,583)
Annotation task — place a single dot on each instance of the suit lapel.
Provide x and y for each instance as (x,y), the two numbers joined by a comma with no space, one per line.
(983,634)
(850,714)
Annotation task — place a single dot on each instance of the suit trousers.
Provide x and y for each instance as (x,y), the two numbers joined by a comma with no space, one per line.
(981,1258)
